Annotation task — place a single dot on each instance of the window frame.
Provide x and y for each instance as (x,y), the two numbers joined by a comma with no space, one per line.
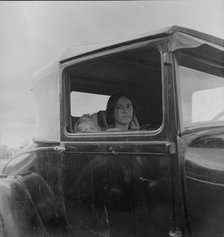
(158,134)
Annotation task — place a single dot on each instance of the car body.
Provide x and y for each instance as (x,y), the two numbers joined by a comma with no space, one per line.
(164,179)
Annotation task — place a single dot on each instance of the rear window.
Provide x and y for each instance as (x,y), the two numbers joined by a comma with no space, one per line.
(86,103)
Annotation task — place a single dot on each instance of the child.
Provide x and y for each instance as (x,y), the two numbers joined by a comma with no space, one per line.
(86,124)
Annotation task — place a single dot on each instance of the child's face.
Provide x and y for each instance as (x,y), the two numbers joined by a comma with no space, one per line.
(87,126)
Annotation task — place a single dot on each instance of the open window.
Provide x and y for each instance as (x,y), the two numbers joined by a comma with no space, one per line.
(137,72)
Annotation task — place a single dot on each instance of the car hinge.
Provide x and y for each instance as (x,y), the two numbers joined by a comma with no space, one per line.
(175,233)
(172,148)
(167,58)
(60,148)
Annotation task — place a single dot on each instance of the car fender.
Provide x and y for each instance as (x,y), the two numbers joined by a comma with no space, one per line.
(28,207)
(19,217)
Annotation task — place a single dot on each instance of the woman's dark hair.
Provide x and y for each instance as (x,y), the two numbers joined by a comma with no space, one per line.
(111,104)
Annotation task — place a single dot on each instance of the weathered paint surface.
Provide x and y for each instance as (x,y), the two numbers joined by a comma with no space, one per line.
(205,182)
(108,194)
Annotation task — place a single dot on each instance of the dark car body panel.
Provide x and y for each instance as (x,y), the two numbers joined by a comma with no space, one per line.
(128,185)
(205,181)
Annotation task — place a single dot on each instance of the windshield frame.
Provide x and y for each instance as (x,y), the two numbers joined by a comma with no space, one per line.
(211,62)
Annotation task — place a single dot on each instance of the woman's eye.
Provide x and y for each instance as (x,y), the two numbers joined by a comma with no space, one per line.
(119,107)
(128,106)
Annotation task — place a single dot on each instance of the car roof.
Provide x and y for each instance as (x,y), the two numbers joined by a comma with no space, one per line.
(80,50)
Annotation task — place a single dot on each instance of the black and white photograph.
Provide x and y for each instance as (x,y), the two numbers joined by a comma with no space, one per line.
(112,118)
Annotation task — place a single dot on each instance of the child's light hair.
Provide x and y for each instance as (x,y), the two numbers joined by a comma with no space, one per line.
(86,124)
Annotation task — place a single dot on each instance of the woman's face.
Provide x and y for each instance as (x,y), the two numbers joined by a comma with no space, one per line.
(123,112)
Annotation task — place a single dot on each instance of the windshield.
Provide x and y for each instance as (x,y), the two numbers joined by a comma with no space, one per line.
(201,92)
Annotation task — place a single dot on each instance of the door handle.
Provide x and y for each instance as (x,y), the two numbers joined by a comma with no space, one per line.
(59,148)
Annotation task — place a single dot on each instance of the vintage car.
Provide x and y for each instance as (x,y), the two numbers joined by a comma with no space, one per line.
(164,179)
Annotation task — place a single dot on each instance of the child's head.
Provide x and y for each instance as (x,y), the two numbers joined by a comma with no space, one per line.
(86,124)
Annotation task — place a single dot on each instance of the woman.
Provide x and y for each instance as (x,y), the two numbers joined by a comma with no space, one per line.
(120,113)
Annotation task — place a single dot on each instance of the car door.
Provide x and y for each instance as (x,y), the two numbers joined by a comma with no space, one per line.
(120,183)
(118,188)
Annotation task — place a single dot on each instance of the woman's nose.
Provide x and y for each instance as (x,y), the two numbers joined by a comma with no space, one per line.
(125,110)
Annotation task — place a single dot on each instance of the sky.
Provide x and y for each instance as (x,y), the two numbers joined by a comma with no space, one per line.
(34,33)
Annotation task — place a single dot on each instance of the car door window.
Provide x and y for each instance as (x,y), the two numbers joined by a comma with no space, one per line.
(136,72)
